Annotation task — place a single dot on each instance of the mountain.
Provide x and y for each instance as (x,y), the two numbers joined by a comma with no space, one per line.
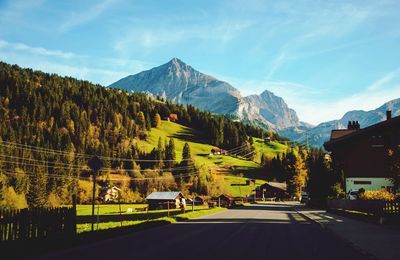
(268,109)
(321,133)
(182,84)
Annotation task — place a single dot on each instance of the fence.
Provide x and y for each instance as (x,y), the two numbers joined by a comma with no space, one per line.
(372,207)
(37,223)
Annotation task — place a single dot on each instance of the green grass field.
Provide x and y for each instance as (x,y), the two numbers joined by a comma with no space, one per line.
(200,149)
(110,217)
(242,190)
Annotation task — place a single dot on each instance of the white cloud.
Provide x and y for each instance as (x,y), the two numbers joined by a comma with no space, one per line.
(385,80)
(35,50)
(94,69)
(87,15)
(320,21)
(149,38)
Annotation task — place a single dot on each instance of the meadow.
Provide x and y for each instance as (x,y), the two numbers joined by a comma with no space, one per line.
(109,216)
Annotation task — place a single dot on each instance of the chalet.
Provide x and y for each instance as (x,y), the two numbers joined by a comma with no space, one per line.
(165,199)
(225,200)
(362,154)
(275,190)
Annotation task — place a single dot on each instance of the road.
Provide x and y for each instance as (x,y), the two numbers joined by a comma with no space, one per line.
(260,231)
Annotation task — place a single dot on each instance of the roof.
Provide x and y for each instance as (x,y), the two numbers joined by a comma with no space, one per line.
(340,133)
(385,123)
(164,195)
(228,196)
(277,185)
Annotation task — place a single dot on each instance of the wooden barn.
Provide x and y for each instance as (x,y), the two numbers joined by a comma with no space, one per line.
(165,199)
(225,200)
(276,190)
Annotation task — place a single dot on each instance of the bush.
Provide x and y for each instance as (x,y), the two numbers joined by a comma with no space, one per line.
(377,195)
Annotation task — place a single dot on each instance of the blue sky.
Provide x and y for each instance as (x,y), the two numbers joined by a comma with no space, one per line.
(323,57)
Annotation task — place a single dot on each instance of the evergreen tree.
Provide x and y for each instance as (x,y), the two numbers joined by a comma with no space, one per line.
(159,154)
(37,196)
(170,155)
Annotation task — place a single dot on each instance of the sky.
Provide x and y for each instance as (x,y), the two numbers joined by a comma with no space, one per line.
(323,58)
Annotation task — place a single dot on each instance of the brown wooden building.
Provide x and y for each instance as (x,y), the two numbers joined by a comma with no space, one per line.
(275,190)
(166,199)
(224,200)
(362,154)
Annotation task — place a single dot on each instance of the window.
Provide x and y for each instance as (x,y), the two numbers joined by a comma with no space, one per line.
(363,182)
(377,141)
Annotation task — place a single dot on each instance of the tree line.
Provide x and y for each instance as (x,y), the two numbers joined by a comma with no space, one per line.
(305,170)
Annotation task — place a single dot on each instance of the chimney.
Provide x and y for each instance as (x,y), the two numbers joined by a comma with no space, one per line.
(388,115)
(353,125)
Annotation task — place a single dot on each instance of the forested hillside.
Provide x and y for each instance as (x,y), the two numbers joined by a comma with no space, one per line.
(70,120)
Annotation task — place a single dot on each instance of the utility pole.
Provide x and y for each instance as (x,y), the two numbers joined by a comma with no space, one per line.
(95,164)
(307,133)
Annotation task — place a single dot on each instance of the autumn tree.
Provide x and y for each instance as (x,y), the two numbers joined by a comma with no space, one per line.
(393,166)
(141,120)
(156,121)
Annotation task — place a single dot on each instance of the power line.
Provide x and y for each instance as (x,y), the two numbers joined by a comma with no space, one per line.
(46,163)
(124,178)
(50,164)
(87,156)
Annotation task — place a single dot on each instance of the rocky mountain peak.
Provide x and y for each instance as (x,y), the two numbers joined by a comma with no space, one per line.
(180,83)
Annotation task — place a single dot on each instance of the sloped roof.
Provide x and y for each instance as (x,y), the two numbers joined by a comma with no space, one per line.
(338,133)
(164,195)
(277,185)
(385,123)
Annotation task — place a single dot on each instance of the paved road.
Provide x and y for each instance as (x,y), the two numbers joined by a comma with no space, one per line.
(262,231)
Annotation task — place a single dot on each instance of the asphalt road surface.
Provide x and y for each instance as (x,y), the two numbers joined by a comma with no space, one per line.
(260,231)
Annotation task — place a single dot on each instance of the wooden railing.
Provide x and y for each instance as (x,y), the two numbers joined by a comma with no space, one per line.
(372,207)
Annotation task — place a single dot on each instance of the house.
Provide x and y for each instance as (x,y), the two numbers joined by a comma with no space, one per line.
(218,151)
(173,117)
(362,154)
(272,190)
(165,200)
(109,194)
(225,200)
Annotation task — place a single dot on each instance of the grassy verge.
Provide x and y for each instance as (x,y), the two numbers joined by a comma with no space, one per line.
(196,214)
(110,219)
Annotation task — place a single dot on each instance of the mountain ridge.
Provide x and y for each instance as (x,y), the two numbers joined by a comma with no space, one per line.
(321,133)
(181,83)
